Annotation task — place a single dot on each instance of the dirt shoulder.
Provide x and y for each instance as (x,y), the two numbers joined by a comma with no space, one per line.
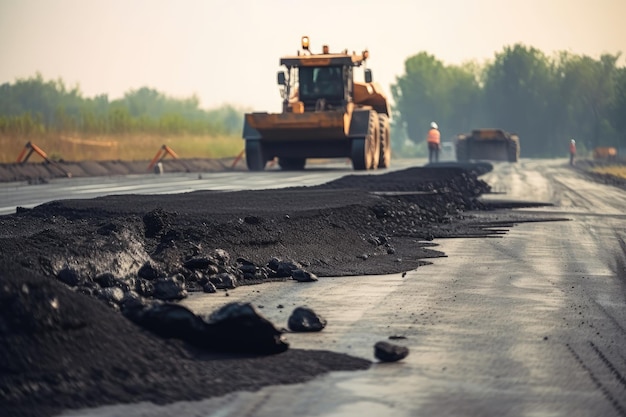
(38,172)
(588,167)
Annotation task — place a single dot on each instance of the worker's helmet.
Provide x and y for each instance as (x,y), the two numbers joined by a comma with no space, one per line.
(573,141)
(433,125)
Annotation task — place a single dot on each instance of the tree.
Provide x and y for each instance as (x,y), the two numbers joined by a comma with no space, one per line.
(430,91)
(588,87)
(617,114)
(520,95)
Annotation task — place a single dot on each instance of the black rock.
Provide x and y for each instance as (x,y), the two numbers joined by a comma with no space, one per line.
(301,275)
(388,352)
(197,263)
(68,276)
(149,271)
(208,287)
(222,257)
(223,281)
(304,319)
(172,288)
(172,321)
(282,269)
(106,280)
(248,268)
(144,287)
(132,304)
(239,327)
(273,264)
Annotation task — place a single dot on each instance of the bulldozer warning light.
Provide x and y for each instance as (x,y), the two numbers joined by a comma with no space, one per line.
(305,43)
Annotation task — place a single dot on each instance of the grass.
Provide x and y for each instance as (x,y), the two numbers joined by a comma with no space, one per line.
(123,148)
(614,170)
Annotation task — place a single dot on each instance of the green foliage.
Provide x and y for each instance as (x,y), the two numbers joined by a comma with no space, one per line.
(518,93)
(545,100)
(617,107)
(35,106)
(430,91)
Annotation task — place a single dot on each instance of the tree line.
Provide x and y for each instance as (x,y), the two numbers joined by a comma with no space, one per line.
(546,100)
(35,106)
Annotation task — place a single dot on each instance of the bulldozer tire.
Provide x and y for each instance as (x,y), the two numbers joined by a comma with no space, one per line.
(359,154)
(254,156)
(365,152)
(292,164)
(385,142)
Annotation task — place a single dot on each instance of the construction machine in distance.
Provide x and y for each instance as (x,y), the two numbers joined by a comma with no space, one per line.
(325,114)
(487,144)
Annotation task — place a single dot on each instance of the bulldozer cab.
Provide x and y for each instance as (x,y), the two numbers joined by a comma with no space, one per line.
(316,82)
(317,87)
(322,83)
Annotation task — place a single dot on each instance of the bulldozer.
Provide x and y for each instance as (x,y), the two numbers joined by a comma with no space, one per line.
(487,144)
(325,114)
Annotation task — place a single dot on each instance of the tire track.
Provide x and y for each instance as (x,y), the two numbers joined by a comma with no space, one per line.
(598,383)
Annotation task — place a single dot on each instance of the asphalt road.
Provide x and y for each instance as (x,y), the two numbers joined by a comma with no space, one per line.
(529,324)
(27,195)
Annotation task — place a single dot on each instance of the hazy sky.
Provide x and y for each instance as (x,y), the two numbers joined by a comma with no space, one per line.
(227,51)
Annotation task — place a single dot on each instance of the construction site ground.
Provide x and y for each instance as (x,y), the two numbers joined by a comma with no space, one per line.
(63,348)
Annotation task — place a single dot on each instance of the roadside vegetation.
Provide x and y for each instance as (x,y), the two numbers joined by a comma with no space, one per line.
(546,100)
(612,170)
(69,126)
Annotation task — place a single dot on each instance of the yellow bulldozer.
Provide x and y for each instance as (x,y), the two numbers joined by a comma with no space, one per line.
(325,114)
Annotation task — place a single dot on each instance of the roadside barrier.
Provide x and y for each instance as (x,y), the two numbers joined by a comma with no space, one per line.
(162,153)
(237,159)
(31,148)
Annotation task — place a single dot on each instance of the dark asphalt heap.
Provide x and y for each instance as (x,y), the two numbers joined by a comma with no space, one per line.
(68,268)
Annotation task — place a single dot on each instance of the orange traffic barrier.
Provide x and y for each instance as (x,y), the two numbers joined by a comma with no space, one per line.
(162,153)
(237,159)
(28,150)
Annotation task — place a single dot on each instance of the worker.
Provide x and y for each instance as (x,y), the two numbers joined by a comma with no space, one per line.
(433,140)
(572,151)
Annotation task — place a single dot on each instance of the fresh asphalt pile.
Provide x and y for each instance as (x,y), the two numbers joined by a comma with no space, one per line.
(88,288)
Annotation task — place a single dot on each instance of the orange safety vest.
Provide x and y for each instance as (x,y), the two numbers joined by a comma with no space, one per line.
(433,136)
(572,148)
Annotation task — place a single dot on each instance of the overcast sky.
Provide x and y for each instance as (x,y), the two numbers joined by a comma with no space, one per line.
(227,51)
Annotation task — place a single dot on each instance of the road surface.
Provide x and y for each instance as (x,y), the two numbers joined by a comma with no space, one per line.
(27,195)
(529,324)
